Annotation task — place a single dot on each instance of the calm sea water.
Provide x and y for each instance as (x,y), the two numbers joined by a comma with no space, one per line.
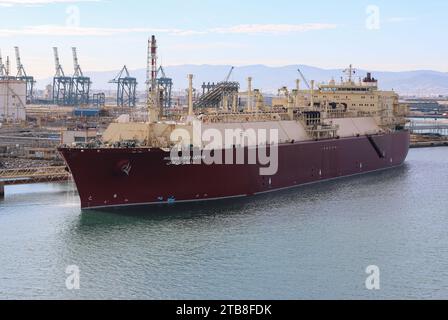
(312,242)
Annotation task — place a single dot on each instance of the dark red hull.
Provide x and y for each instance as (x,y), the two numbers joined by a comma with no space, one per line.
(123,177)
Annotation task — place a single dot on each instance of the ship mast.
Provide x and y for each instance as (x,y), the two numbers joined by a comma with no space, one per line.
(151,81)
(350,72)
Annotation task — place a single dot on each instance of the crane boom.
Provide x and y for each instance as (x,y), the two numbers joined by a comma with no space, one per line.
(78,71)
(2,67)
(162,72)
(123,74)
(304,79)
(7,66)
(229,75)
(20,70)
(57,63)
(19,64)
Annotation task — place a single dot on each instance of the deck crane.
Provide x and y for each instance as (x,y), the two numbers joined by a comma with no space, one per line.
(229,75)
(304,79)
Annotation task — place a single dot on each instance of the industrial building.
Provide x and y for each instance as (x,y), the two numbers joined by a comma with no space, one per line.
(12,100)
(79,136)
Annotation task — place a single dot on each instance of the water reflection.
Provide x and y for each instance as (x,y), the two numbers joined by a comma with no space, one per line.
(310,242)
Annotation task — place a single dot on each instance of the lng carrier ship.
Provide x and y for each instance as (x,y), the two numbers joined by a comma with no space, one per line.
(324,132)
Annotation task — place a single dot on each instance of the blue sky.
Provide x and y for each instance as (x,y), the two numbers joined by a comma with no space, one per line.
(377,35)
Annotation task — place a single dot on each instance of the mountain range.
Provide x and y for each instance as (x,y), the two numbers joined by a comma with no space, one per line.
(270,79)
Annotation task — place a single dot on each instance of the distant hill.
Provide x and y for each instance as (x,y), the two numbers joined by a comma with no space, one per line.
(270,79)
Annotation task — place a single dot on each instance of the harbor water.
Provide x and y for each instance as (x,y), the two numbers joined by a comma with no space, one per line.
(311,242)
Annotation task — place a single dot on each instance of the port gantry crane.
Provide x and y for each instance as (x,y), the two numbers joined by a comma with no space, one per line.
(126,88)
(80,84)
(62,85)
(165,85)
(22,76)
(2,68)
(5,73)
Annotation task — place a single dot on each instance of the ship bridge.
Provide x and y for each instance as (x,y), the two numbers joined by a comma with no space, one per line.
(346,88)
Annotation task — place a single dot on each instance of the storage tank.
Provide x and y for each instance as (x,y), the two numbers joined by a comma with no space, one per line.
(12,101)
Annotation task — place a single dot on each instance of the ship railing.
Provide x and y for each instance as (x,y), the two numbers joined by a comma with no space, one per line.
(242,117)
(341,114)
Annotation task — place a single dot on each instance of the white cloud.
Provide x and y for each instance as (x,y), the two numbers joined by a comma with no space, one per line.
(11,3)
(400,19)
(54,30)
(207,46)
(273,28)
(253,29)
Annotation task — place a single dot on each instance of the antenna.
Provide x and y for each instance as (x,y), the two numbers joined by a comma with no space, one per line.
(153,63)
(148,68)
(151,69)
(151,73)
(350,72)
